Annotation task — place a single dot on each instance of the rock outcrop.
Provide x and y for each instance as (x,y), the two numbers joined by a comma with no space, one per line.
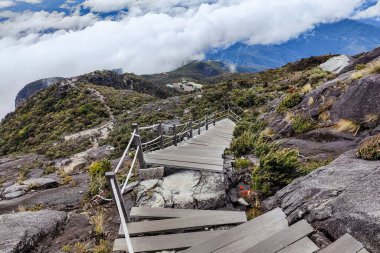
(360,100)
(341,197)
(185,189)
(336,64)
(22,232)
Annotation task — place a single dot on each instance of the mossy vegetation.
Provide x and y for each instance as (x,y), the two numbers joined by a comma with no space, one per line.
(39,124)
(289,101)
(97,172)
(302,123)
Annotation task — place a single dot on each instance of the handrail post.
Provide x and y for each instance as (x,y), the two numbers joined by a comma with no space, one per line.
(175,135)
(207,120)
(112,181)
(140,154)
(191,129)
(161,133)
(214,120)
(199,127)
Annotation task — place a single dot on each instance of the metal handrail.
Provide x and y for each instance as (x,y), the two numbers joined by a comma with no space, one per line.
(130,171)
(117,192)
(148,127)
(125,152)
(122,218)
(148,142)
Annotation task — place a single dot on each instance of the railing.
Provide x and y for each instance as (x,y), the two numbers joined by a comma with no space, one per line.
(167,135)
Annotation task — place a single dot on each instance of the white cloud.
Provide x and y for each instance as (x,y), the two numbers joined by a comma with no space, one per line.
(155,39)
(5,4)
(106,5)
(30,1)
(371,12)
(35,22)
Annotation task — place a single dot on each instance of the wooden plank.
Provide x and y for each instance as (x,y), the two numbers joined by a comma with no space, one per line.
(185,158)
(205,142)
(170,225)
(283,238)
(305,245)
(185,165)
(345,244)
(189,152)
(147,212)
(252,228)
(165,242)
(266,230)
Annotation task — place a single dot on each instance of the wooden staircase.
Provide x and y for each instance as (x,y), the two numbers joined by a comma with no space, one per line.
(203,152)
(204,231)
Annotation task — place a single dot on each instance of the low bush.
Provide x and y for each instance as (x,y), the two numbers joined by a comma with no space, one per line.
(244,144)
(302,124)
(97,176)
(242,163)
(369,149)
(277,169)
(289,101)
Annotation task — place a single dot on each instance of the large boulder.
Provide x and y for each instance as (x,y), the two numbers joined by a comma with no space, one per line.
(361,99)
(336,64)
(23,232)
(342,197)
(184,189)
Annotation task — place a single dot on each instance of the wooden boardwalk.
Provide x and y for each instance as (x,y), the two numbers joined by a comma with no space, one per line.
(206,231)
(203,152)
(191,232)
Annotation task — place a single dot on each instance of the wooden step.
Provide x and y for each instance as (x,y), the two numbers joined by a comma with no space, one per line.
(282,239)
(165,242)
(185,158)
(305,245)
(257,229)
(345,244)
(147,212)
(179,224)
(185,165)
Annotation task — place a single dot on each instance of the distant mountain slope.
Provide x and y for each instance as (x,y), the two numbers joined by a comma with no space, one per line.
(195,70)
(344,37)
(32,88)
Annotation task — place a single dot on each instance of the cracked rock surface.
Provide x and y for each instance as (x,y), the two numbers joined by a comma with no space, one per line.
(342,197)
(184,189)
(28,229)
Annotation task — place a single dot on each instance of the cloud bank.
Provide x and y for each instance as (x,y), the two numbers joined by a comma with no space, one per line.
(371,12)
(154,36)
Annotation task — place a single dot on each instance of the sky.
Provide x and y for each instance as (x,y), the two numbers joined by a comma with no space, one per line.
(48,38)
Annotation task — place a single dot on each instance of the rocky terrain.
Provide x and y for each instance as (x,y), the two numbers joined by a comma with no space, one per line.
(308,142)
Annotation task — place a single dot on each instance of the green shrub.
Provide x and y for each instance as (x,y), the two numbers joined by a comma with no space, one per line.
(242,163)
(289,101)
(309,166)
(369,149)
(100,168)
(317,74)
(244,144)
(241,127)
(302,124)
(277,169)
(263,147)
(97,176)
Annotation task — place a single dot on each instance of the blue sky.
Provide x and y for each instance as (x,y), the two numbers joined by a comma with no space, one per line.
(45,38)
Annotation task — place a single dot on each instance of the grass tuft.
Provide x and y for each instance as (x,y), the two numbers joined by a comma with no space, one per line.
(348,126)
(369,149)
